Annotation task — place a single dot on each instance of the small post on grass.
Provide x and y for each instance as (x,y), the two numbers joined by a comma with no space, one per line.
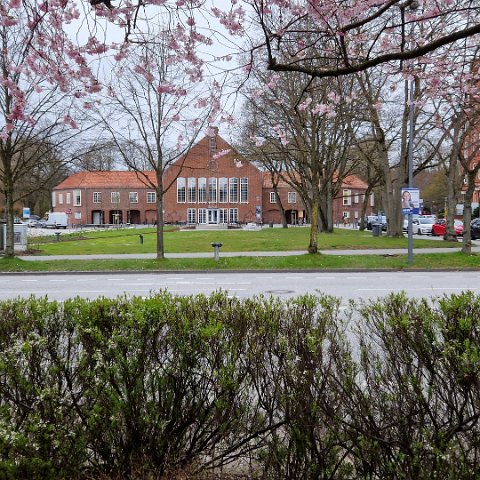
(216,250)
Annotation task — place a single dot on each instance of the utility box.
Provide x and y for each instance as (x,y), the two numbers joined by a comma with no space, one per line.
(19,236)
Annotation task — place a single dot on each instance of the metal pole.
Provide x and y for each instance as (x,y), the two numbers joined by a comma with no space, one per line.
(410,165)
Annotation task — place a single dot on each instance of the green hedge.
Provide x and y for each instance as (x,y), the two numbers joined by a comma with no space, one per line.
(300,389)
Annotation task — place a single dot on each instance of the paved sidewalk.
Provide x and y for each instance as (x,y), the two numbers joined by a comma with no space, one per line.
(393,251)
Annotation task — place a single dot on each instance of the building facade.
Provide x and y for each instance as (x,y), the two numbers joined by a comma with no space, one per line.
(212,184)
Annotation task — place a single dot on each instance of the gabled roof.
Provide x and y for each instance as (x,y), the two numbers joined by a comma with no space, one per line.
(110,179)
(350,181)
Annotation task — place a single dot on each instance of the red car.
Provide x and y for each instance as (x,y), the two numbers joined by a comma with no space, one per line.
(439,228)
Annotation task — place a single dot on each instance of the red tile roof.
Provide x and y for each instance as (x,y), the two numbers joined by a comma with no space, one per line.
(112,179)
(350,181)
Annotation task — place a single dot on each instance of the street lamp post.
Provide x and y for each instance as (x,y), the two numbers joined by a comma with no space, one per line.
(410,165)
(413,5)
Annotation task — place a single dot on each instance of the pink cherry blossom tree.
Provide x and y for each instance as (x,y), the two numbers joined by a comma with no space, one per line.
(354,36)
(38,85)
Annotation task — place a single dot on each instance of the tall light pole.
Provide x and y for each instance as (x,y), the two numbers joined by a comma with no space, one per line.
(413,5)
(411,104)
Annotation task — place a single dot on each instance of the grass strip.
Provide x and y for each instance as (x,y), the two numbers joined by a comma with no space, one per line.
(428,261)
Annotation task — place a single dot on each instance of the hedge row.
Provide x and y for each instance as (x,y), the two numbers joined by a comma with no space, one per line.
(303,389)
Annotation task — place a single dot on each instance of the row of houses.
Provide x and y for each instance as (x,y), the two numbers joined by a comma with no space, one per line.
(207,189)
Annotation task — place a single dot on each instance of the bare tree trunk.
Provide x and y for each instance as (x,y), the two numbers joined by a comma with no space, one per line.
(278,201)
(467,212)
(363,211)
(315,211)
(160,220)
(9,244)
(450,235)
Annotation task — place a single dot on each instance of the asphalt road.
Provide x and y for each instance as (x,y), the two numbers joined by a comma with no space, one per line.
(347,285)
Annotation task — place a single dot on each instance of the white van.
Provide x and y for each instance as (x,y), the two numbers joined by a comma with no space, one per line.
(56,220)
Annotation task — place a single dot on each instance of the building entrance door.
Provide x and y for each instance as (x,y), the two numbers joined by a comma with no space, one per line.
(212,215)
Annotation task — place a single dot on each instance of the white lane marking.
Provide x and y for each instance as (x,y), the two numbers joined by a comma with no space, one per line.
(31,280)
(325,278)
(452,288)
(264,278)
(380,289)
(58,280)
(116,279)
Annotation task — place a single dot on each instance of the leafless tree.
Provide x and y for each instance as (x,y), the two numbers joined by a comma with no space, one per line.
(310,149)
(153,114)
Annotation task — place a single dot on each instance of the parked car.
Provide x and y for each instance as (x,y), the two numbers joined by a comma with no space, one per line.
(423,225)
(439,228)
(475,228)
(405,221)
(31,222)
(374,219)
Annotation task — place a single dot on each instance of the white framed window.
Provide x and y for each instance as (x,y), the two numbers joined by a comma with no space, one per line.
(192,190)
(223,215)
(60,198)
(181,190)
(202,215)
(292,197)
(202,190)
(356,214)
(54,200)
(356,198)
(347,197)
(69,198)
(273,197)
(346,215)
(97,197)
(223,190)
(233,215)
(151,197)
(191,215)
(77,198)
(212,190)
(132,197)
(233,182)
(114,197)
(372,199)
(244,190)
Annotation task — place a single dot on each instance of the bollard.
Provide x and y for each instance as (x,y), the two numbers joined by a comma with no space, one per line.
(216,250)
(141,239)
(58,235)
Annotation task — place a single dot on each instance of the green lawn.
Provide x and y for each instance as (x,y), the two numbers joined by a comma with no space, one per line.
(188,241)
(428,261)
(269,239)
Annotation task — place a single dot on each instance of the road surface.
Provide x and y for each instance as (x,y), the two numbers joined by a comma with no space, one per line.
(360,285)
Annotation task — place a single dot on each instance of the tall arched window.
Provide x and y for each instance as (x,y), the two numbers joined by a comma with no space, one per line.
(181,193)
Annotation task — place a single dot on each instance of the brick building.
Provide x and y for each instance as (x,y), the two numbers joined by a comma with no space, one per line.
(212,184)
(105,198)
